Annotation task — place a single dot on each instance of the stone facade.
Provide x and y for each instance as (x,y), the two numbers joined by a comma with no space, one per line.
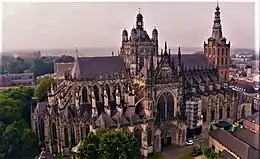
(139,90)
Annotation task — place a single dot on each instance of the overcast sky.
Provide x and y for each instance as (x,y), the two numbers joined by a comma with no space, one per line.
(75,25)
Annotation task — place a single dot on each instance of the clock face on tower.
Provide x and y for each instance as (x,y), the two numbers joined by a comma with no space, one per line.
(210,44)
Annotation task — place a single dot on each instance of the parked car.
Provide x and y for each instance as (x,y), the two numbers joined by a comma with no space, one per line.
(189,141)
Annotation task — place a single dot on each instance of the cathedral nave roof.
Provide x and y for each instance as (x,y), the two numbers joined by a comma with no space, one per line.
(94,67)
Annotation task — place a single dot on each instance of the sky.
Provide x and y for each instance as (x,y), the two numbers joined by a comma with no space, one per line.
(61,25)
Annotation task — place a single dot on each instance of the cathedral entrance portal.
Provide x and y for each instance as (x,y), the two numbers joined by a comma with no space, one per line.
(168,135)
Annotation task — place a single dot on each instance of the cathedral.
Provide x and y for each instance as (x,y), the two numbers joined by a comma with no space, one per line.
(161,97)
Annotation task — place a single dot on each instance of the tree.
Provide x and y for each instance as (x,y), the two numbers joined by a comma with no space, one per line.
(16,138)
(116,144)
(43,86)
(64,59)
(211,154)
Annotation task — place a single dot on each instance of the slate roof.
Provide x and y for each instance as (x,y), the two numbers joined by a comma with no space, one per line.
(247,136)
(192,60)
(93,67)
(231,142)
(104,119)
(226,155)
(245,87)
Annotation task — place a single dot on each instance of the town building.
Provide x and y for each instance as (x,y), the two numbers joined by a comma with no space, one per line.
(24,79)
(241,144)
(252,122)
(161,97)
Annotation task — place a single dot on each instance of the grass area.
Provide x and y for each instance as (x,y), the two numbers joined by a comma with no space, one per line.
(186,156)
(157,156)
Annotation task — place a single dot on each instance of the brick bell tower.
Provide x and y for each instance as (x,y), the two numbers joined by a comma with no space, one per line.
(217,49)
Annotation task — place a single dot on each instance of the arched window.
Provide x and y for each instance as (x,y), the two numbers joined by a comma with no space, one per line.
(96,92)
(81,133)
(228,112)
(84,95)
(223,52)
(165,106)
(220,113)
(72,137)
(53,133)
(108,91)
(41,129)
(138,136)
(66,136)
(87,129)
(204,113)
(212,115)
(170,105)
(149,136)
(161,107)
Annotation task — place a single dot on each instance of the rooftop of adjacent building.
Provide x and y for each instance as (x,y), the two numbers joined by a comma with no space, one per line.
(241,142)
(254,118)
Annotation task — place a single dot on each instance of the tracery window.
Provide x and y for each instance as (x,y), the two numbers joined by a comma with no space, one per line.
(81,133)
(228,112)
(66,136)
(96,92)
(149,136)
(212,115)
(53,133)
(220,113)
(204,113)
(165,106)
(84,95)
(72,137)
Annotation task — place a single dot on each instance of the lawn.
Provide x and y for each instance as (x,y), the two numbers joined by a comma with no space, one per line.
(157,156)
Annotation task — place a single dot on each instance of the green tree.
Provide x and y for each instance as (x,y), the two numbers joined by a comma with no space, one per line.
(116,144)
(43,86)
(16,138)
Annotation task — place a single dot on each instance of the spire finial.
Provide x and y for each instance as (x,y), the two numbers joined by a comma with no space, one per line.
(139,10)
(165,47)
(217,2)
(179,53)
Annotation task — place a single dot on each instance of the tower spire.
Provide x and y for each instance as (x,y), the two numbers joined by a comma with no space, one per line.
(217,29)
(139,11)
(77,52)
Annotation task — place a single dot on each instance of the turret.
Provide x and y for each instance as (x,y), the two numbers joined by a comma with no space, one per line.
(155,35)
(124,35)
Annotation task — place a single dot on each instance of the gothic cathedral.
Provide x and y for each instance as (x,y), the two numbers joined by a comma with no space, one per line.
(163,98)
